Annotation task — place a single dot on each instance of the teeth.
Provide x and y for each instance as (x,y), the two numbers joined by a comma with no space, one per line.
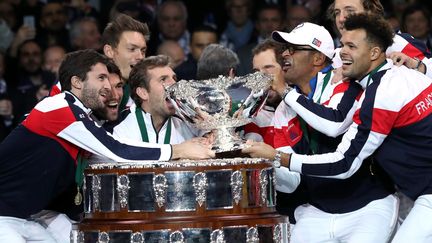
(346,62)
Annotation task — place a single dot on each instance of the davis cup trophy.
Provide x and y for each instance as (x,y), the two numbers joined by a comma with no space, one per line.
(223,200)
(221,104)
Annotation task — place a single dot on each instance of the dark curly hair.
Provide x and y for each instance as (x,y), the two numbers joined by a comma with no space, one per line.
(378,31)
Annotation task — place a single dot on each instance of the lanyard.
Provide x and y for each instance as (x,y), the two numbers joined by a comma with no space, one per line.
(311,135)
(143,128)
(375,70)
(326,80)
(79,176)
(125,98)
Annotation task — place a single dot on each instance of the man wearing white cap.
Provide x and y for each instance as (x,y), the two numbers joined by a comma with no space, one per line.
(310,121)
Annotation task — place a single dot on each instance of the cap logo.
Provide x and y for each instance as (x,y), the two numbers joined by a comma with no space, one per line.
(316,42)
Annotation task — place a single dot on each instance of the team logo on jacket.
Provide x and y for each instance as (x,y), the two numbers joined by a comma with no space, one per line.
(293,132)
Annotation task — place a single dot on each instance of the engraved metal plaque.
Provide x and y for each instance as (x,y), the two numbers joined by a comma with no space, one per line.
(141,195)
(200,186)
(217,236)
(88,194)
(235,233)
(119,236)
(160,236)
(237,186)
(108,200)
(196,235)
(271,190)
(265,232)
(180,191)
(253,188)
(91,236)
(219,193)
(123,190)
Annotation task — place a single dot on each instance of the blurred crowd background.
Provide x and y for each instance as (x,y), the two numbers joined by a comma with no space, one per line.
(35,35)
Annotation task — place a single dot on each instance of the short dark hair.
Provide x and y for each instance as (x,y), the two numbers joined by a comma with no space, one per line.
(114,29)
(267,44)
(216,60)
(78,63)
(139,76)
(113,68)
(378,30)
(205,28)
(372,6)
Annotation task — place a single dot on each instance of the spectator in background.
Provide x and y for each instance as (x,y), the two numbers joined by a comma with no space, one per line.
(53,30)
(23,33)
(84,34)
(9,15)
(240,27)
(270,18)
(31,83)
(52,58)
(6,109)
(77,9)
(171,23)
(7,23)
(393,20)
(296,14)
(173,50)
(416,21)
(143,11)
(201,37)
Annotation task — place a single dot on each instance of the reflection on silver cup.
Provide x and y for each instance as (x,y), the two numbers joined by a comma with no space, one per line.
(221,105)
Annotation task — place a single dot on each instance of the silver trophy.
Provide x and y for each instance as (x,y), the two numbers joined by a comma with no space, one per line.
(221,105)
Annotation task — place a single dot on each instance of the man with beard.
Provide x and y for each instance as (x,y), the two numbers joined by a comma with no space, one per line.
(108,116)
(124,41)
(152,118)
(40,173)
(393,123)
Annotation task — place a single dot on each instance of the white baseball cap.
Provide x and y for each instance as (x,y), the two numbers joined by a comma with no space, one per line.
(309,34)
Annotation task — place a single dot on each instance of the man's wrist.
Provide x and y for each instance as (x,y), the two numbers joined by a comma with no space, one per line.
(419,64)
(285,160)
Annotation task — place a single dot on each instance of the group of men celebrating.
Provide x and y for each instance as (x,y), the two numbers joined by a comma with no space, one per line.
(341,143)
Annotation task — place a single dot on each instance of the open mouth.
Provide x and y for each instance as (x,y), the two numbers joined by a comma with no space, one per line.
(286,65)
(346,62)
(112,105)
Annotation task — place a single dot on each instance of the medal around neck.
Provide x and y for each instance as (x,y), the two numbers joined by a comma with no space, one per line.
(221,105)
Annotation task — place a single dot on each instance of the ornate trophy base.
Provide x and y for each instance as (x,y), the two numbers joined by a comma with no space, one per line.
(271,228)
(215,201)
